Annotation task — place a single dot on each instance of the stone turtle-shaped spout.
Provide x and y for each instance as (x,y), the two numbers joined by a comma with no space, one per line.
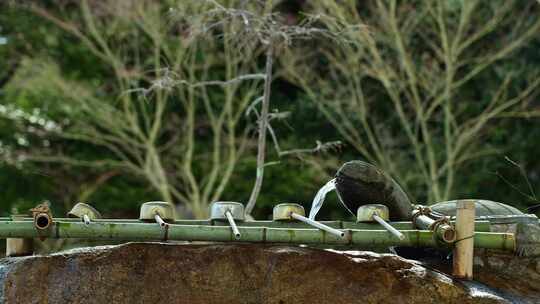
(359,183)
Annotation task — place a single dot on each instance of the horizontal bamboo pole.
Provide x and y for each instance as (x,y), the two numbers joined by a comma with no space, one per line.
(480,226)
(151,231)
(495,240)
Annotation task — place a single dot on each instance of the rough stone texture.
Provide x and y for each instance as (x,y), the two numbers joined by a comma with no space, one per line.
(512,274)
(517,278)
(148,273)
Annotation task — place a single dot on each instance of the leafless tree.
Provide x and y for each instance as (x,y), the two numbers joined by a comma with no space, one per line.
(258,27)
(396,93)
(157,116)
(151,129)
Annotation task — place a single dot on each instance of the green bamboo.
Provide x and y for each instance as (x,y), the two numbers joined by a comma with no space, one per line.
(152,231)
(444,231)
(480,226)
(494,240)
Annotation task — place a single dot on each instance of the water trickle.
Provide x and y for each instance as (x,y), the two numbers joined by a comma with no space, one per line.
(318,200)
(479,290)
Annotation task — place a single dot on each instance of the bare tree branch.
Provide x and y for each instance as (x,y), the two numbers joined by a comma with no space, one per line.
(417,124)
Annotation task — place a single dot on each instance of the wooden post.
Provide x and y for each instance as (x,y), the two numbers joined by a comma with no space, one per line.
(17,246)
(464,246)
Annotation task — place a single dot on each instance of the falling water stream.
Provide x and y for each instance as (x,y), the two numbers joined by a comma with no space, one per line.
(318,200)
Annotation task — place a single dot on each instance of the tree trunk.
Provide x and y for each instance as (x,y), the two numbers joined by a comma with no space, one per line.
(263,126)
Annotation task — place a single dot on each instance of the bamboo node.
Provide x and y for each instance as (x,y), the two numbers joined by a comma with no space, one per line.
(42,216)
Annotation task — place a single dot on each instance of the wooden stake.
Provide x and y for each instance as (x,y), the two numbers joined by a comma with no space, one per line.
(19,247)
(464,246)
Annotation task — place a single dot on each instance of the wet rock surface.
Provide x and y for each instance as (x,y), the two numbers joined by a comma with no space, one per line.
(515,278)
(514,275)
(151,272)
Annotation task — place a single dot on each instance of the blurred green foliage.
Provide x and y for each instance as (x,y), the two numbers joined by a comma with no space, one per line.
(292,179)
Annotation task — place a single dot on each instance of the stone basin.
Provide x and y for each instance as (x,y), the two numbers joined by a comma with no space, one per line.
(234,273)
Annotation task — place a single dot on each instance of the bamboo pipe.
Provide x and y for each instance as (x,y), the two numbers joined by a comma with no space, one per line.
(377,213)
(86,219)
(480,226)
(388,227)
(160,221)
(150,231)
(444,232)
(234,228)
(464,247)
(316,224)
(42,221)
